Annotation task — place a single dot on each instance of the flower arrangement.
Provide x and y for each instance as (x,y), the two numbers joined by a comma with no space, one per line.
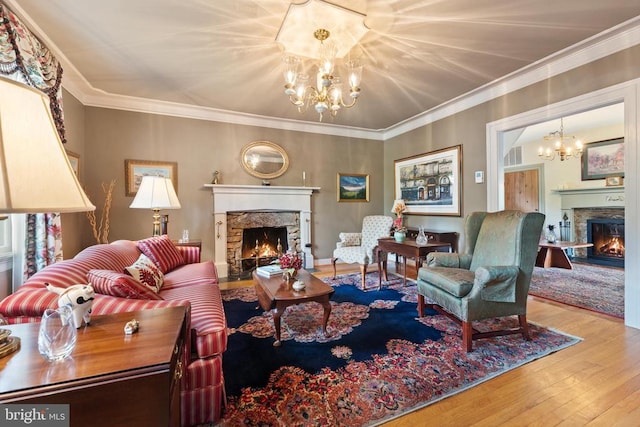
(291,262)
(398,208)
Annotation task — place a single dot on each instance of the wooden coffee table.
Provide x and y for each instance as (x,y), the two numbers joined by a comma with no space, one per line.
(276,294)
(554,255)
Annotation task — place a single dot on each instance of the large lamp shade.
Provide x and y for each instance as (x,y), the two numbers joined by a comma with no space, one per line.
(35,175)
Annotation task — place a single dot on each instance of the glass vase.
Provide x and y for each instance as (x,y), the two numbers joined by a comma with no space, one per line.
(57,334)
(421,238)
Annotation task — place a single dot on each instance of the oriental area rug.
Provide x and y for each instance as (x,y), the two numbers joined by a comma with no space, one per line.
(587,286)
(379,361)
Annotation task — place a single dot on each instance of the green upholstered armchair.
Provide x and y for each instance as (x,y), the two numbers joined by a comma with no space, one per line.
(490,279)
(359,247)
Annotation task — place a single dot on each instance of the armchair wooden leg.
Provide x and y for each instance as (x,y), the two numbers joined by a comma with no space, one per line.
(333,261)
(420,305)
(467,336)
(363,271)
(524,326)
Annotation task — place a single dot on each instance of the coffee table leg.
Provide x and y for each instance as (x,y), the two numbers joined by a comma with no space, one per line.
(277,313)
(327,312)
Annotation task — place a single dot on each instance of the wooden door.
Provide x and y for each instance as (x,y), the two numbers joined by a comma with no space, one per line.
(521,190)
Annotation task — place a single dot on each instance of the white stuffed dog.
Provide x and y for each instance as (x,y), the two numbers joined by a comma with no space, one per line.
(79,298)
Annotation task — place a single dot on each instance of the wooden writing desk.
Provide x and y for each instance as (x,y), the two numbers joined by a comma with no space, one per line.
(407,249)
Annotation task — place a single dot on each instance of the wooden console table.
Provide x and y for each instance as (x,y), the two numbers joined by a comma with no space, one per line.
(110,379)
(554,255)
(436,236)
(407,249)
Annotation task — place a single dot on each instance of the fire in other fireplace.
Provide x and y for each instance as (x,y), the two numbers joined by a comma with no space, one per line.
(607,236)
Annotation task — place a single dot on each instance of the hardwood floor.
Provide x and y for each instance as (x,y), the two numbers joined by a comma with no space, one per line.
(595,382)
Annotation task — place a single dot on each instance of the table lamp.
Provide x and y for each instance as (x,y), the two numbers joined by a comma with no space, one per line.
(155,193)
(35,173)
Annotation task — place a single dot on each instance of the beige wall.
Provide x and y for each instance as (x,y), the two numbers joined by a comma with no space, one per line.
(200,147)
(73,225)
(468,128)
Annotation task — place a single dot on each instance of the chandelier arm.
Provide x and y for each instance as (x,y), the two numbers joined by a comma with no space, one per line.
(343,104)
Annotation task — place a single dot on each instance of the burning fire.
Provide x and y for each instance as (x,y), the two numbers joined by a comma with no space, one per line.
(264,250)
(613,247)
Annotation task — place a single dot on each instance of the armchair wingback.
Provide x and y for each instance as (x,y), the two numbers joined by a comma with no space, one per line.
(359,247)
(490,278)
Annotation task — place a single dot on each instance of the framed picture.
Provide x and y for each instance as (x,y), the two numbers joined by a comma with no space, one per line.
(134,170)
(603,159)
(431,183)
(74,160)
(353,187)
(613,181)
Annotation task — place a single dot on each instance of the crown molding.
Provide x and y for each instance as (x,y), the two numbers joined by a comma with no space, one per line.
(606,43)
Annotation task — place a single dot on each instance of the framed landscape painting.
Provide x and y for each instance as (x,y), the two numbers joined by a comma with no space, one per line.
(431,183)
(134,170)
(353,187)
(74,161)
(603,159)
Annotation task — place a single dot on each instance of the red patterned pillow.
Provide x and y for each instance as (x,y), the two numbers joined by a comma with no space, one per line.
(146,272)
(108,282)
(162,251)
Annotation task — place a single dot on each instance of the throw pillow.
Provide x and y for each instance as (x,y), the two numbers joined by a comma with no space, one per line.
(108,282)
(162,251)
(146,272)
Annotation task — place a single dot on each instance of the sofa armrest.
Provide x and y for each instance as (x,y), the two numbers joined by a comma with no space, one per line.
(349,239)
(191,254)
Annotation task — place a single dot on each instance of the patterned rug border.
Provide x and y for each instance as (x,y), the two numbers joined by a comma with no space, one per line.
(575,340)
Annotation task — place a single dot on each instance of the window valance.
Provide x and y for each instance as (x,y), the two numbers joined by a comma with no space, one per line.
(26,59)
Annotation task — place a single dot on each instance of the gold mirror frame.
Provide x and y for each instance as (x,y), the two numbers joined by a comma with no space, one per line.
(264,159)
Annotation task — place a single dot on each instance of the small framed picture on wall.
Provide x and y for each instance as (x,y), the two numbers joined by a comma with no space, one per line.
(134,170)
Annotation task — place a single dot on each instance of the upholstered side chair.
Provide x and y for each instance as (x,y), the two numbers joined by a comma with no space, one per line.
(359,247)
(490,278)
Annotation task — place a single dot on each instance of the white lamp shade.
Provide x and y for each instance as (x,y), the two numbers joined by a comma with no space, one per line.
(35,175)
(155,192)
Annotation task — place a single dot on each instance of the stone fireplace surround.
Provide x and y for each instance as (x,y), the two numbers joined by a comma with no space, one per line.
(581,204)
(256,198)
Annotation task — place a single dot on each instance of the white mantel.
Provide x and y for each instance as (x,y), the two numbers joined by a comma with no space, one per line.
(602,197)
(240,198)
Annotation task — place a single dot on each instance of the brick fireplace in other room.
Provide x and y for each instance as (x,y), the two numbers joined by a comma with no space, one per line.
(251,213)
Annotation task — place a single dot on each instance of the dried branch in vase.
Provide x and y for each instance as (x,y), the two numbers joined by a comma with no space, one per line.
(101,229)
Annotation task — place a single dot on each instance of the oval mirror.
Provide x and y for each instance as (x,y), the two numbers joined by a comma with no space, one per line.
(264,159)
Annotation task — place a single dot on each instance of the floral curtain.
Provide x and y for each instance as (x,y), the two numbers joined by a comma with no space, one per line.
(25,59)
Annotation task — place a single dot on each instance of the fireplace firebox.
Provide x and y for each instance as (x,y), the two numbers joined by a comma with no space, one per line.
(607,236)
(262,246)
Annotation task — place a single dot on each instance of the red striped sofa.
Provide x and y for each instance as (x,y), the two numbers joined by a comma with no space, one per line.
(193,285)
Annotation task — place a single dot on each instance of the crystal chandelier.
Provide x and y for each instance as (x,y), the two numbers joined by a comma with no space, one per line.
(561,146)
(327,95)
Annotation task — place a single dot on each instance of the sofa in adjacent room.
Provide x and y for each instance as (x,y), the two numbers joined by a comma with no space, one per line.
(151,273)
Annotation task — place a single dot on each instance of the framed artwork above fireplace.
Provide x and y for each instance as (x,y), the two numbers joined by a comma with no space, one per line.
(603,159)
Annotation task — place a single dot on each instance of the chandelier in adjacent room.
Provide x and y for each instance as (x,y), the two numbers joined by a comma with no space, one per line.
(564,146)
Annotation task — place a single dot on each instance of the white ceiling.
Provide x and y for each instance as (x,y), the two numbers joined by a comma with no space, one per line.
(222,54)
